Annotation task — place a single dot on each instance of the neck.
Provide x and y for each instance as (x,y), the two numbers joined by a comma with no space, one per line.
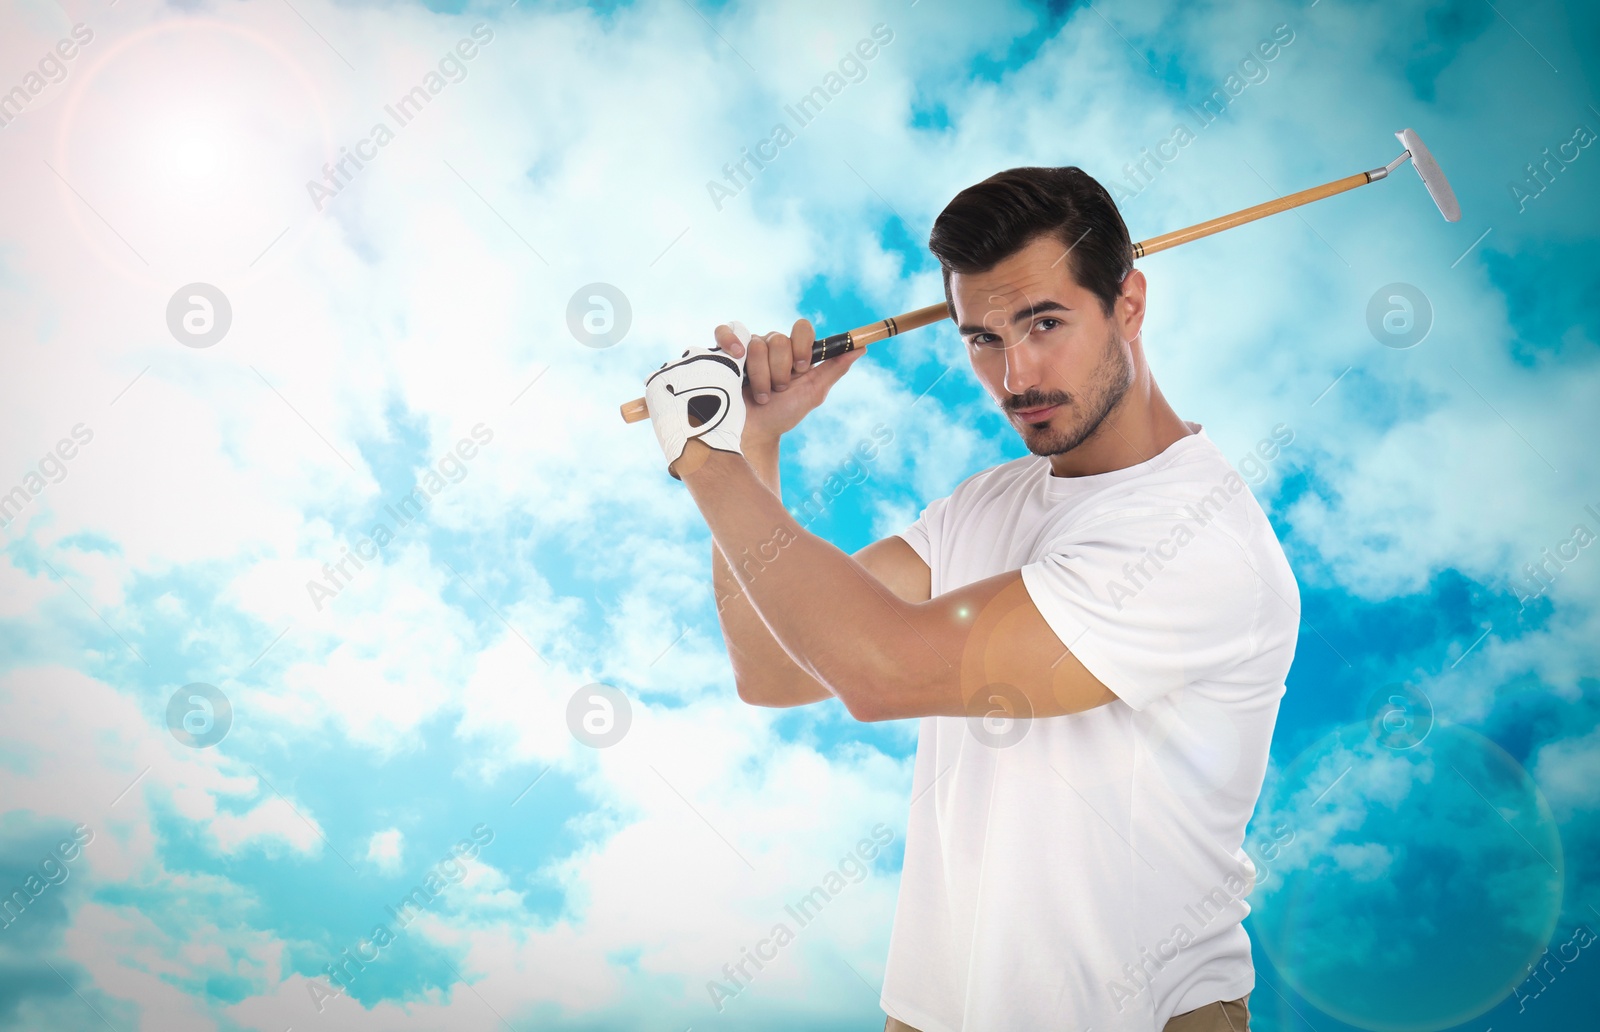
(1139,427)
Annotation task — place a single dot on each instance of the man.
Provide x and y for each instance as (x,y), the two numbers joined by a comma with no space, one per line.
(1095,636)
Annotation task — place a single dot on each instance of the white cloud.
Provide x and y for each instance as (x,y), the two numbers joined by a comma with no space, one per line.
(272,819)
(1568,772)
(414,308)
(383,849)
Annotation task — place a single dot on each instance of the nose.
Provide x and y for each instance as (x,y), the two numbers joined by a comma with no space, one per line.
(1022,367)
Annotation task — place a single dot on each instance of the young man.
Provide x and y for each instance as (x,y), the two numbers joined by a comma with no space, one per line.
(1095,636)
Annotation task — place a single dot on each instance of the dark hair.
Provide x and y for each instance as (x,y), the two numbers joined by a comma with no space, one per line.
(989,221)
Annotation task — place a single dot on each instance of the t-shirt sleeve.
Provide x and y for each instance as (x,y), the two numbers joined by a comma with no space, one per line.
(1148,603)
(924,531)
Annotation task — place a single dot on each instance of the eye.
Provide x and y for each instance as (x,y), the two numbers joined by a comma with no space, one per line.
(1053,323)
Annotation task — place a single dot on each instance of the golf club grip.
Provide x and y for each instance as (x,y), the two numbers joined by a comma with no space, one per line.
(836,345)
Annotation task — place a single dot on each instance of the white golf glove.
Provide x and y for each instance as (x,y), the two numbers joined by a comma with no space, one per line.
(700,394)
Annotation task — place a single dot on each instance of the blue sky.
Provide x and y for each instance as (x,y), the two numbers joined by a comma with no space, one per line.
(374,327)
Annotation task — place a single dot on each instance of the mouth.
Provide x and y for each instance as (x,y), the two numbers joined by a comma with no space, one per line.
(1035,415)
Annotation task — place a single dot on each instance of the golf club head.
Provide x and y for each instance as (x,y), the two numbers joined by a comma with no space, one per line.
(1432,175)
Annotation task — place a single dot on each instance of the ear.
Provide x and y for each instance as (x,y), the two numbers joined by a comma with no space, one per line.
(1130,306)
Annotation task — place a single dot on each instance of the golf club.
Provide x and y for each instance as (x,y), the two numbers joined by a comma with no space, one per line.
(1421,160)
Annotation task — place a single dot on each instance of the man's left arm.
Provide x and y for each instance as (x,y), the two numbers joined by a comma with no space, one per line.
(885,658)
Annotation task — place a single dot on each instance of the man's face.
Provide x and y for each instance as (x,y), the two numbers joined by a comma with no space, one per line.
(1036,338)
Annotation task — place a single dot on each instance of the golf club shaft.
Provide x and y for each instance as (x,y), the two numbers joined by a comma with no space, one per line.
(839,343)
(1250,214)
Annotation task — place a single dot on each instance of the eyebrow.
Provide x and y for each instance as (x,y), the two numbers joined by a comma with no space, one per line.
(1020,315)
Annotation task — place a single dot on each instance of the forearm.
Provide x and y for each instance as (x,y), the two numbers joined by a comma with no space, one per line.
(816,601)
(763,670)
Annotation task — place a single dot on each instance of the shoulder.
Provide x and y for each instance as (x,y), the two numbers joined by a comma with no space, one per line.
(1192,476)
(996,478)
(1244,538)
(1196,499)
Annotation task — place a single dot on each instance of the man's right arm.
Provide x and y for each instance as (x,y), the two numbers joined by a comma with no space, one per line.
(763,671)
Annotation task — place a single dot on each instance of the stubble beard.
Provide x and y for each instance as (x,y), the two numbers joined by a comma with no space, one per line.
(1111,380)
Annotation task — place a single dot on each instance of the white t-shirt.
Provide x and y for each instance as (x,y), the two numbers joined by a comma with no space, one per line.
(1093,874)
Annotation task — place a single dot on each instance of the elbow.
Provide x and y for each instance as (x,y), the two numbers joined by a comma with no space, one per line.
(750,693)
(765,693)
(870,703)
(864,710)
(881,690)
(907,694)
(755,687)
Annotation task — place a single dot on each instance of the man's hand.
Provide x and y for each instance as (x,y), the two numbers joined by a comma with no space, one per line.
(698,395)
(778,368)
